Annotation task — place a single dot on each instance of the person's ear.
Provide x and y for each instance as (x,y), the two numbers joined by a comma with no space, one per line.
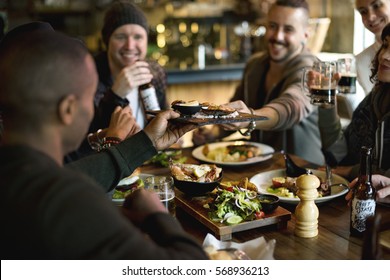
(67,109)
(308,31)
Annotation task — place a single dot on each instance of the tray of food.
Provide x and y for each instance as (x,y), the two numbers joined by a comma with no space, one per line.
(233,206)
(201,114)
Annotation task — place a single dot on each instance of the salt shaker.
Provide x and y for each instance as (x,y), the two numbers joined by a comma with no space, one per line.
(306,213)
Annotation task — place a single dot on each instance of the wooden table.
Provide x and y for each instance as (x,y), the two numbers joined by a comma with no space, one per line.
(332,242)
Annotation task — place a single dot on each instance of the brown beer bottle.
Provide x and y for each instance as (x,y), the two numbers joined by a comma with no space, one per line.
(363,201)
(149,97)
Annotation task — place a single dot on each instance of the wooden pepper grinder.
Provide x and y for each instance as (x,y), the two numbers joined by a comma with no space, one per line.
(306,213)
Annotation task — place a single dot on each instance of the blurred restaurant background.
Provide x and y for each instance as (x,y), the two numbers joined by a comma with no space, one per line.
(202,44)
(227,31)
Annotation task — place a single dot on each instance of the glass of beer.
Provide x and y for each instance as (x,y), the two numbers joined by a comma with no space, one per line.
(347,68)
(164,188)
(320,84)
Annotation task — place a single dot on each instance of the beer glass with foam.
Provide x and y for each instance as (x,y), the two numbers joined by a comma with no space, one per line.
(320,83)
(347,68)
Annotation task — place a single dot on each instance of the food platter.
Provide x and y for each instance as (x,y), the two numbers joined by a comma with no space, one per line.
(194,207)
(264,149)
(127,181)
(264,180)
(241,117)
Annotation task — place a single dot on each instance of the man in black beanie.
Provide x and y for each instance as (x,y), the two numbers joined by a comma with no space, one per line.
(122,68)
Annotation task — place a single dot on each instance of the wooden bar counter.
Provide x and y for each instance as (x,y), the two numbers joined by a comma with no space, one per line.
(332,242)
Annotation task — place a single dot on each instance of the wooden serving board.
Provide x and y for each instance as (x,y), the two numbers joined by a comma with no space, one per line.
(194,207)
(242,117)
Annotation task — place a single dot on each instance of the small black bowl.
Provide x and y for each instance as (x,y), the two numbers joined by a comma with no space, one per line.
(187,110)
(268,202)
(196,188)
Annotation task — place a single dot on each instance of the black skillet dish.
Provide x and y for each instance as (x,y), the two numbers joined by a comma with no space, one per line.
(191,188)
(187,110)
(268,202)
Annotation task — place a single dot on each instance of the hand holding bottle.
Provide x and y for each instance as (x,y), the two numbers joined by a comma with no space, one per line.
(381,184)
(131,77)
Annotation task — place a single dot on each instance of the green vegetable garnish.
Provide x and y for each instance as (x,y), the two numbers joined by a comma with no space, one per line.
(164,158)
(120,192)
(283,192)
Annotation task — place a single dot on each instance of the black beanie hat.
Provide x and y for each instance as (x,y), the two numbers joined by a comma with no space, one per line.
(121,13)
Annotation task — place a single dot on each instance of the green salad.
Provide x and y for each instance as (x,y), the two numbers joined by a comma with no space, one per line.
(163,158)
(235,205)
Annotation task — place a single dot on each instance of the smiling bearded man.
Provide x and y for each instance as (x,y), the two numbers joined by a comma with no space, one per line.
(272,85)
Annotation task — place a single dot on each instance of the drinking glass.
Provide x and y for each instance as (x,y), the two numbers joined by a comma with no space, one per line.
(320,84)
(347,68)
(164,188)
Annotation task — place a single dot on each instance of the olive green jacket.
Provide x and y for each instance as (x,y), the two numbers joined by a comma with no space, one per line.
(297,130)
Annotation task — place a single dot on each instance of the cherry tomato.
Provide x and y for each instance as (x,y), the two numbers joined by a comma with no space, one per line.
(278,182)
(259,215)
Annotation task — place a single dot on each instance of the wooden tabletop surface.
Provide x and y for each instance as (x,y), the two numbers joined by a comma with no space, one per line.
(332,242)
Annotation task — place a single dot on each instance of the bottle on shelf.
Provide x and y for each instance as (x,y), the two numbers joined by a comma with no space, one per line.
(363,201)
(149,97)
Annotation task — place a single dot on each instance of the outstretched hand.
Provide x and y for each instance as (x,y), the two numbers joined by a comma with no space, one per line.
(164,133)
(131,77)
(241,107)
(380,183)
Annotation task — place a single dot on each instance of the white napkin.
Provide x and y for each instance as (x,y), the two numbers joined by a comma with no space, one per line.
(256,249)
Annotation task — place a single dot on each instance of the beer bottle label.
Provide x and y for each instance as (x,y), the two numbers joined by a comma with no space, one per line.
(149,99)
(361,210)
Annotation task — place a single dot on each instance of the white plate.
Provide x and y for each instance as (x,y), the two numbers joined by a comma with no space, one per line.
(264,149)
(127,181)
(264,180)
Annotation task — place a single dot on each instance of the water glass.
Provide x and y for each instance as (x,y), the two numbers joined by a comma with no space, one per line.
(163,186)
